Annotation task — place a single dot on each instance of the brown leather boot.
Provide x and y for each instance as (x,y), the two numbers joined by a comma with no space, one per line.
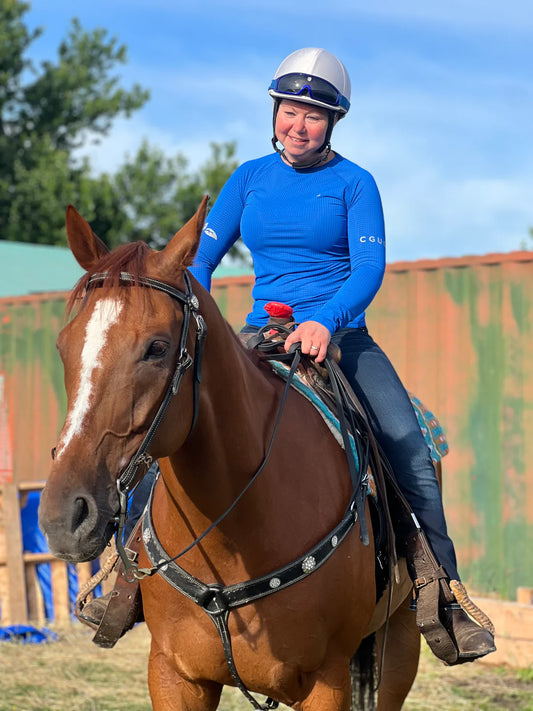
(472,640)
(93,611)
(469,626)
(455,629)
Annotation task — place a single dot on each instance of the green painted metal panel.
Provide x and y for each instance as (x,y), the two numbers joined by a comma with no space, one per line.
(36,268)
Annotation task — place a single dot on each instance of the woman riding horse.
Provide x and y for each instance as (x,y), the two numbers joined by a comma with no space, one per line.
(314,225)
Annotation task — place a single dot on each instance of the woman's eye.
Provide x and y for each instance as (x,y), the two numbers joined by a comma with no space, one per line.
(157,349)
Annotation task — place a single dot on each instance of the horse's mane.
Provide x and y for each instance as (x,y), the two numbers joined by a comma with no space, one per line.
(129,258)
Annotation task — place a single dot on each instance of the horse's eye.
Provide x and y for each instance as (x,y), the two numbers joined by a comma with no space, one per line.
(156,349)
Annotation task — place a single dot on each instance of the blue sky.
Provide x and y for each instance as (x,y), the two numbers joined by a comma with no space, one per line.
(442,99)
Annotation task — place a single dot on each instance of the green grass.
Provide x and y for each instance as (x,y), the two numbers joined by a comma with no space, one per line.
(73,673)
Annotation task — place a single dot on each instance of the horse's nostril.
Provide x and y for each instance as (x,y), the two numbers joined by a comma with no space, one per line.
(81,511)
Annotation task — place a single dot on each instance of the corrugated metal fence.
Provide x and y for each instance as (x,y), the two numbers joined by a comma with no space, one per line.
(459,332)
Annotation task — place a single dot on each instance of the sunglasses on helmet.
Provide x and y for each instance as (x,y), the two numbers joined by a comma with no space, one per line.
(314,87)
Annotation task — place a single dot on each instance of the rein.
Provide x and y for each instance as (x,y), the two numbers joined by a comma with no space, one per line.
(140,573)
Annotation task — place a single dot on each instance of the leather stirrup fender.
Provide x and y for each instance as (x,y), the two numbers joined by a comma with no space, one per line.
(430,581)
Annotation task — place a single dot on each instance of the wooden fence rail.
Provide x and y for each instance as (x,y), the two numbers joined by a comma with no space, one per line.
(21,597)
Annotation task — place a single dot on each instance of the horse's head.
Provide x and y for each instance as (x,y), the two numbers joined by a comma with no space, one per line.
(119,354)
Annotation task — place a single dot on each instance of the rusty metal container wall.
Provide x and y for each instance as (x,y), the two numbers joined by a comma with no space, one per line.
(34,399)
(460,334)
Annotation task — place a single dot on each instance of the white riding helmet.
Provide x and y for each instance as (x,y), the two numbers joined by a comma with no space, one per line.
(313,76)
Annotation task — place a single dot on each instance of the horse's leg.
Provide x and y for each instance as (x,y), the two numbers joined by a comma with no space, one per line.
(330,689)
(171,692)
(400,663)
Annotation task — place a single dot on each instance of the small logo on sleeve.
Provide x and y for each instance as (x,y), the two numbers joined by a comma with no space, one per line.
(371,238)
(209,232)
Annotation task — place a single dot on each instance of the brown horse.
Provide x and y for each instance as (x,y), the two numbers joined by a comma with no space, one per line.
(120,353)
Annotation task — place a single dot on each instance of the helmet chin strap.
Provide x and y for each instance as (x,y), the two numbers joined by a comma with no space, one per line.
(322,156)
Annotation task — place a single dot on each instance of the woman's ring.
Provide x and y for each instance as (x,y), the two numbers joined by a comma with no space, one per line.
(315,348)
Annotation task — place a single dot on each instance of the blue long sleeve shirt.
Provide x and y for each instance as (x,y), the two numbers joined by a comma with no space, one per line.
(316,237)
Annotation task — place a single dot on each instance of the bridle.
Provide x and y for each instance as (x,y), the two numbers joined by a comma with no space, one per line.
(183,363)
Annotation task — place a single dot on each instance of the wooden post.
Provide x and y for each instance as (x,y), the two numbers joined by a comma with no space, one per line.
(60,591)
(18,612)
(24,596)
(524,596)
(35,596)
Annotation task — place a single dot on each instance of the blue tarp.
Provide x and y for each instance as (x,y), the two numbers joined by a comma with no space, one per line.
(33,541)
(27,634)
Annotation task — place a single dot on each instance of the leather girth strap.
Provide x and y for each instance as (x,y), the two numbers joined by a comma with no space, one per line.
(125,603)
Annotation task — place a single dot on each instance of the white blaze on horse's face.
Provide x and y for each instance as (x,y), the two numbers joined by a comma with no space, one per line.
(105,314)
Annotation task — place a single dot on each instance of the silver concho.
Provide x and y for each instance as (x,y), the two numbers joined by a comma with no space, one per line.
(163,567)
(194,302)
(274,583)
(309,564)
(334,541)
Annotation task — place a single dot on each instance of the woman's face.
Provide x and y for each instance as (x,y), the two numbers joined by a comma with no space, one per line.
(301,129)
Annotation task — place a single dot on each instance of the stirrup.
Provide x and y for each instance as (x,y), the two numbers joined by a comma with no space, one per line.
(470,628)
(456,630)
(92,613)
(464,601)
(115,613)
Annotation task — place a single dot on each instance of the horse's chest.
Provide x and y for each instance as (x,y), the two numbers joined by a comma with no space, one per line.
(270,635)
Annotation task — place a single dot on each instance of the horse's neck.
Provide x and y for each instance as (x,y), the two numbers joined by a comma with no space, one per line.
(238,404)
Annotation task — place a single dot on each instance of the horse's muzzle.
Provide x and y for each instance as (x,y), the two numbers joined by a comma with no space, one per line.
(76,527)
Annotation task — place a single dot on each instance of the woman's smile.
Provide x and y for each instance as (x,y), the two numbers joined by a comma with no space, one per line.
(301,129)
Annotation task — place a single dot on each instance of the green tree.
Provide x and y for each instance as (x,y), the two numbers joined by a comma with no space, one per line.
(44,115)
(157,194)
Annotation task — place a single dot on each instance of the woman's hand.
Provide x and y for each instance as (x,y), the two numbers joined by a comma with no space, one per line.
(314,338)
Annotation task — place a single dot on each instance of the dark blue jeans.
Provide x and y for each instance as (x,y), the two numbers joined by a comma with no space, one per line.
(393,420)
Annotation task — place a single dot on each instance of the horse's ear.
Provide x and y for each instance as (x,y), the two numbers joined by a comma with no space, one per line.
(181,249)
(84,244)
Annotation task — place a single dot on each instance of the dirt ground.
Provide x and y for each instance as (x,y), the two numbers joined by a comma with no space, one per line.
(73,673)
